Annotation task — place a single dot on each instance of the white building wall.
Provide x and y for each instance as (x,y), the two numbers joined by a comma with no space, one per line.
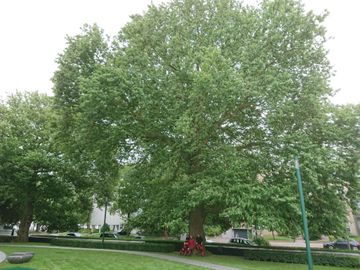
(115,221)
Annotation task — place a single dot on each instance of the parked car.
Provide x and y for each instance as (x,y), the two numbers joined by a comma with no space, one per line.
(74,234)
(343,244)
(109,235)
(242,241)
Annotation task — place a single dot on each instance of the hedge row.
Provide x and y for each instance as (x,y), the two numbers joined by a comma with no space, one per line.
(40,239)
(177,244)
(300,257)
(225,250)
(109,244)
(7,238)
(312,249)
(284,248)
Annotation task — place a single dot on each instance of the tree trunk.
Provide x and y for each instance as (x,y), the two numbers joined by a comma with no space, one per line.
(196,221)
(166,232)
(25,222)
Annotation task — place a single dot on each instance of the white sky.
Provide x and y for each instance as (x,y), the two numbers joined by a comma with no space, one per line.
(33,34)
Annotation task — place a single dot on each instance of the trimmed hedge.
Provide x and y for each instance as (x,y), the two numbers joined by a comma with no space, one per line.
(312,249)
(300,257)
(113,244)
(40,239)
(7,238)
(225,250)
(283,248)
(177,244)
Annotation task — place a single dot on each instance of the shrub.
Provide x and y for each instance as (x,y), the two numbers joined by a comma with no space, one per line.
(300,257)
(177,244)
(225,250)
(213,230)
(260,241)
(40,239)
(314,235)
(85,230)
(128,245)
(7,238)
(105,228)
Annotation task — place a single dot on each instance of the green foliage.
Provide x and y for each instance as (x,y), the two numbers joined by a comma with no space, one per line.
(206,103)
(85,231)
(213,230)
(300,257)
(220,105)
(136,246)
(89,152)
(105,228)
(6,238)
(34,180)
(260,241)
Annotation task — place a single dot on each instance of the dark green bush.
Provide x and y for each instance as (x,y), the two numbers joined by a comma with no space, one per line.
(85,230)
(220,249)
(213,230)
(177,244)
(7,238)
(260,241)
(105,228)
(128,245)
(300,257)
(39,239)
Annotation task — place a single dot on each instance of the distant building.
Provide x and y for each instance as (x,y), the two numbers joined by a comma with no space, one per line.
(114,220)
(354,221)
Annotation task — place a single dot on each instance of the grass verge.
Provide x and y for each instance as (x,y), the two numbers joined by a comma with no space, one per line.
(241,263)
(59,259)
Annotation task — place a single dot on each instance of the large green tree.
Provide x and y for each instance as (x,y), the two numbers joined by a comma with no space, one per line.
(216,85)
(81,142)
(37,183)
(207,102)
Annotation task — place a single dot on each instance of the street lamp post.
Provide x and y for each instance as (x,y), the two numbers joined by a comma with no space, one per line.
(303,213)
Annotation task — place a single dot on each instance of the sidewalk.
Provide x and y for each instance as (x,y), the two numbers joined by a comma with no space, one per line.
(2,256)
(140,253)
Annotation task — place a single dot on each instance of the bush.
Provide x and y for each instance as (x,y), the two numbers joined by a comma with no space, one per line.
(7,238)
(128,245)
(260,241)
(85,230)
(105,228)
(300,257)
(213,230)
(313,236)
(225,250)
(40,239)
(177,244)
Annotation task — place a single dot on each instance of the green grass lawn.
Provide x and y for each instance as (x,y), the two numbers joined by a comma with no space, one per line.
(59,259)
(238,262)
(55,259)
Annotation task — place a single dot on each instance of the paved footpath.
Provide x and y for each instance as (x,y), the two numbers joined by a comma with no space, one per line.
(2,256)
(148,254)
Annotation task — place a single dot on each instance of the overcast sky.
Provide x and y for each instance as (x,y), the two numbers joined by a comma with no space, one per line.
(33,34)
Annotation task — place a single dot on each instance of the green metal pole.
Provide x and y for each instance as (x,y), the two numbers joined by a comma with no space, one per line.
(303,213)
